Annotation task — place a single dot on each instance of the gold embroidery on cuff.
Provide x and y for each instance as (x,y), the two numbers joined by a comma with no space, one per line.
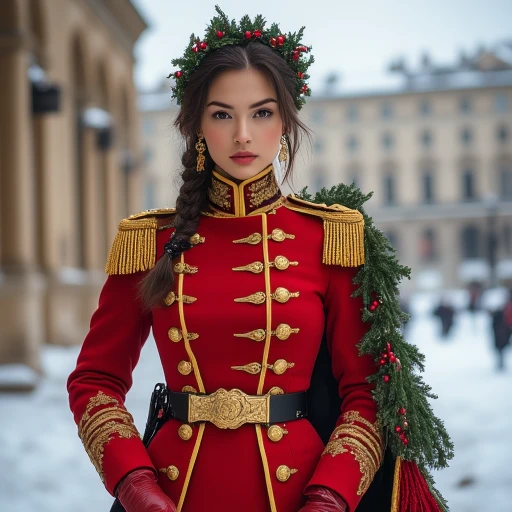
(97,429)
(363,442)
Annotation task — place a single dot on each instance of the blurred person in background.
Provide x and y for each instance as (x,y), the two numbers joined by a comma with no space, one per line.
(268,402)
(445,312)
(502,329)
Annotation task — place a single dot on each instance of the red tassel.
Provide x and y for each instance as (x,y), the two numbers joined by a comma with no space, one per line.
(414,494)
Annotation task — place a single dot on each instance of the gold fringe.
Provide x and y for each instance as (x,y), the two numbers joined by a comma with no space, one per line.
(343,231)
(134,247)
(396,486)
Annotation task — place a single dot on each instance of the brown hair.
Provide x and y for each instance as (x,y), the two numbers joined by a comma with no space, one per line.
(193,193)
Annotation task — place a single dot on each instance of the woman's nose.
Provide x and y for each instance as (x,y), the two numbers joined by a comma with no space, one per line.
(242,134)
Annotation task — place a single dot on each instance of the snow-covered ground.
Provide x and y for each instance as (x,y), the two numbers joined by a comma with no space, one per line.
(44,468)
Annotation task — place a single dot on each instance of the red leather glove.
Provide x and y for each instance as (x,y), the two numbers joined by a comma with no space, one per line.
(140,492)
(322,499)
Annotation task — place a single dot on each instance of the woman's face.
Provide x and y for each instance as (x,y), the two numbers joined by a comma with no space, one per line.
(242,115)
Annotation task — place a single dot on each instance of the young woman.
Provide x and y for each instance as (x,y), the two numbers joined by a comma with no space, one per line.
(239,285)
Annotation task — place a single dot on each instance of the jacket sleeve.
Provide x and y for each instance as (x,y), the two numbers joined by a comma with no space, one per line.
(97,387)
(354,451)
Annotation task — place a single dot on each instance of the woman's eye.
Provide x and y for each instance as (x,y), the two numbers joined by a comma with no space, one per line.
(220,114)
(266,113)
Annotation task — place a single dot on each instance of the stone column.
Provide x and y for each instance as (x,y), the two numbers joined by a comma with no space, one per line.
(21,287)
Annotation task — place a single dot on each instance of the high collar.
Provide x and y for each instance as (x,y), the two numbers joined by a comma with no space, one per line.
(258,194)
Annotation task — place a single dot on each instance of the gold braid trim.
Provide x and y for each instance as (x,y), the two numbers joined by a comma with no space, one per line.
(343,231)
(97,429)
(365,444)
(396,486)
(134,247)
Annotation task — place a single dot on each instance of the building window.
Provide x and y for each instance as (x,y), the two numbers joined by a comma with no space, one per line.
(470,243)
(466,136)
(465,105)
(425,108)
(505,180)
(393,239)
(319,177)
(501,103)
(468,185)
(319,145)
(148,126)
(426,139)
(502,134)
(428,186)
(428,245)
(148,155)
(387,141)
(352,143)
(386,110)
(353,112)
(507,239)
(317,116)
(389,189)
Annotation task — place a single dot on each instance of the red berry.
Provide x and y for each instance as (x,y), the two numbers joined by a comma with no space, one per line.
(382,362)
(248,35)
(220,34)
(195,49)
(384,355)
(401,411)
(203,46)
(273,41)
(257,33)
(372,308)
(392,358)
(375,303)
(280,40)
(300,74)
(406,441)
(398,429)
(295,55)
(385,378)
(406,425)
(388,346)
(305,89)
(178,74)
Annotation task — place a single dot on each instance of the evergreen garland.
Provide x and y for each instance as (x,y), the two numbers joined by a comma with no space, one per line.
(414,433)
(222,32)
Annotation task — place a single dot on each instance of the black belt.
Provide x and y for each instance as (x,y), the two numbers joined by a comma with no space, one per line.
(231,409)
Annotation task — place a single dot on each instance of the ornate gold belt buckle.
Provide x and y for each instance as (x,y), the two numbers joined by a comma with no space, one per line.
(229,409)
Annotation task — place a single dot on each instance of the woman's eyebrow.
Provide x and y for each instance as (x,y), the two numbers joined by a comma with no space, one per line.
(254,105)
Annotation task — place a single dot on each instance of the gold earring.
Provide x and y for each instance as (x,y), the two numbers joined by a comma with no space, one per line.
(200,148)
(283,153)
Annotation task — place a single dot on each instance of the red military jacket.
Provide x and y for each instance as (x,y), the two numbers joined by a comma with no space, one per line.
(266,277)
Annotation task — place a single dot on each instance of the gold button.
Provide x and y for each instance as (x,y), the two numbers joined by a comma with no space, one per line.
(172,472)
(275,433)
(252,368)
(184,268)
(189,389)
(185,432)
(169,300)
(256,335)
(174,334)
(282,263)
(185,368)
(283,331)
(278,235)
(282,295)
(275,391)
(283,473)
(197,239)
(280,366)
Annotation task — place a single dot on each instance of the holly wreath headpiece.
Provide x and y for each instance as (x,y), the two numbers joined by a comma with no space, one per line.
(221,32)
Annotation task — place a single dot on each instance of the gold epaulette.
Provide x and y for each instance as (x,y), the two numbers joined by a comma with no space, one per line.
(134,247)
(343,231)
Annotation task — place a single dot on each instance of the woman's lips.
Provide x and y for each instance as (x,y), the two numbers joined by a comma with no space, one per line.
(243,160)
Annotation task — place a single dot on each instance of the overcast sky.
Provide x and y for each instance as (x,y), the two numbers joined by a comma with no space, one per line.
(358,39)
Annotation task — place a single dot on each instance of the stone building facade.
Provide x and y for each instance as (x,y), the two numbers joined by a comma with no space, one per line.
(68,163)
